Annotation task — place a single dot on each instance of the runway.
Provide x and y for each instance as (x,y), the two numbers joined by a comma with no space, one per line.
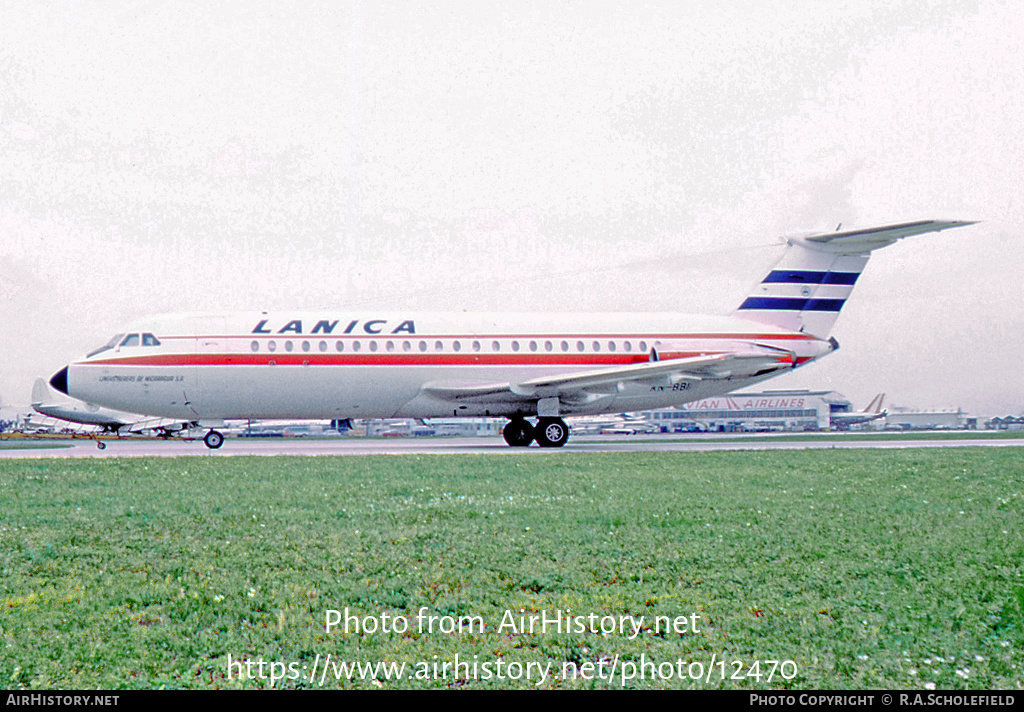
(480,445)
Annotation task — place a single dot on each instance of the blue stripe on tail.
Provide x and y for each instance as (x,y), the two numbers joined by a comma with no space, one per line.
(793,304)
(792,276)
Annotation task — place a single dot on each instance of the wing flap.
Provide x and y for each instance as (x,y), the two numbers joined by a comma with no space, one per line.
(155,424)
(472,393)
(684,368)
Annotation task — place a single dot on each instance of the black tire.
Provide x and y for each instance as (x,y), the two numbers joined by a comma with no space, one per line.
(552,432)
(101,445)
(213,440)
(518,433)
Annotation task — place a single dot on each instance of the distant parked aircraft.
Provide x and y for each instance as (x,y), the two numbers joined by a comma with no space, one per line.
(63,407)
(873,411)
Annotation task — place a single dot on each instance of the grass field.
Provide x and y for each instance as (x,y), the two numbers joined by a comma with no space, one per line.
(31,445)
(880,569)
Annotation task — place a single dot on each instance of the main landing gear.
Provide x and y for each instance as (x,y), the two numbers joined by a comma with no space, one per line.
(518,432)
(549,432)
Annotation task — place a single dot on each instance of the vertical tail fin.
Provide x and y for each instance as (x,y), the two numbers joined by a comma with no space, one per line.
(807,288)
(875,406)
(39,392)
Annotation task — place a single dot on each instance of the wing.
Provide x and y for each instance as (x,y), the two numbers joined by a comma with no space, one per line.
(586,387)
(140,426)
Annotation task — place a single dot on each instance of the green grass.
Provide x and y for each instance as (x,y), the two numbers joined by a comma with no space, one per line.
(865,568)
(833,436)
(22,445)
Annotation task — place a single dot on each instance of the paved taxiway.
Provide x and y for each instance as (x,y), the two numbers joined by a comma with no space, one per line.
(474,446)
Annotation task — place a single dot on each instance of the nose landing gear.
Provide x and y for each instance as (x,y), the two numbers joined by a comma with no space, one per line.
(213,440)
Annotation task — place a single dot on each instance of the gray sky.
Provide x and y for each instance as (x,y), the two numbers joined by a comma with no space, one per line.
(170,156)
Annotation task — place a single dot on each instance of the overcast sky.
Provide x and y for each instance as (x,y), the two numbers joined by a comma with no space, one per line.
(545,156)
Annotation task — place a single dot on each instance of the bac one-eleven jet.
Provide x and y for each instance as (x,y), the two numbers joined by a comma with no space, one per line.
(208,368)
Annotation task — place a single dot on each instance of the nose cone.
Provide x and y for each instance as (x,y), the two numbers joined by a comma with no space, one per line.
(60,381)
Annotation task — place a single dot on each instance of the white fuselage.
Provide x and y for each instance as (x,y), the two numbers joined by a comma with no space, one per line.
(370,365)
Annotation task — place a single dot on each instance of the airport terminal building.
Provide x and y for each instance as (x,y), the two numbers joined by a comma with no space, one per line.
(765,411)
(905,419)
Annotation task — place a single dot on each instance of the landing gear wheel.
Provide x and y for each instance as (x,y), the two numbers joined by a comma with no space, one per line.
(213,440)
(101,445)
(518,433)
(552,432)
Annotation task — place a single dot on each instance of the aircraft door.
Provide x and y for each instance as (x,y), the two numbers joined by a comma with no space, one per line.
(209,349)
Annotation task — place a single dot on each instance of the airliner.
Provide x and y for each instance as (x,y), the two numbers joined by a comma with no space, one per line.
(62,407)
(45,402)
(873,411)
(534,369)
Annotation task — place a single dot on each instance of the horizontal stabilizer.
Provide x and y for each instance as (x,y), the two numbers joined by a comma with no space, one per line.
(808,287)
(860,242)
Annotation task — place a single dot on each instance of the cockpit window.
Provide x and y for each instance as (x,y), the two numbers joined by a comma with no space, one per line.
(107,346)
(150,340)
(131,340)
